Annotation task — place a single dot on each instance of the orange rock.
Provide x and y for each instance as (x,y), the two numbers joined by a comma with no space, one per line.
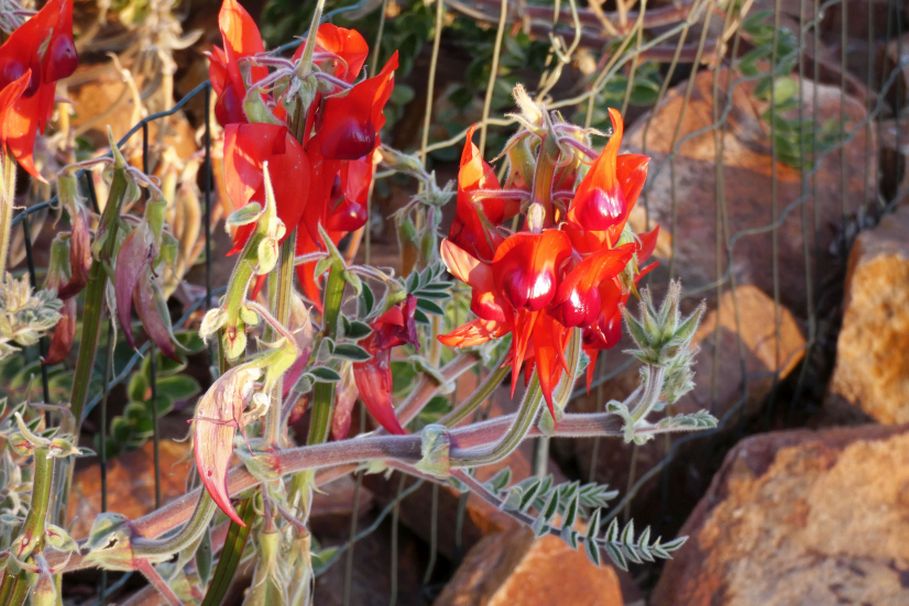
(872,359)
(800,517)
(513,569)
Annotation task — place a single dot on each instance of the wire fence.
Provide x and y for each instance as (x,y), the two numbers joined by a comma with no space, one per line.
(710,66)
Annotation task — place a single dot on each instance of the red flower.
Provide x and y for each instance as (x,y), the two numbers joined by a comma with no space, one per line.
(607,193)
(32,59)
(241,39)
(347,134)
(539,286)
(348,124)
(470,230)
(322,178)
(373,377)
(578,301)
(606,331)
(246,148)
(511,294)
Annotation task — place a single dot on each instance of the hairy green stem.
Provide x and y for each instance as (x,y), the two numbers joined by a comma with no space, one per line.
(517,431)
(15,588)
(527,413)
(476,399)
(205,509)
(653,386)
(405,449)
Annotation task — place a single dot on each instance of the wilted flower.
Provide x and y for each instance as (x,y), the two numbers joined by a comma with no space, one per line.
(134,287)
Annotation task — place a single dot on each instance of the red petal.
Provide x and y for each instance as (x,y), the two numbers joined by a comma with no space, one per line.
(525,267)
(241,38)
(468,229)
(348,46)
(374,383)
(473,333)
(549,341)
(350,123)
(578,299)
(246,149)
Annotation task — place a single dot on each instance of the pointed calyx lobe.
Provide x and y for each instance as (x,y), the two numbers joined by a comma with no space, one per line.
(574,272)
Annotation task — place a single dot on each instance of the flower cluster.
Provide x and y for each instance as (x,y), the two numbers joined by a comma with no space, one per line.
(310,118)
(574,263)
(33,58)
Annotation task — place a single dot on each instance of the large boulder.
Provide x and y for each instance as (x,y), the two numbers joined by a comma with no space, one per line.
(872,363)
(513,569)
(800,517)
(712,179)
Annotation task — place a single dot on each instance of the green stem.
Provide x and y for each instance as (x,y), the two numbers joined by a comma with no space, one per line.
(324,393)
(480,395)
(7,202)
(334,291)
(310,45)
(15,588)
(530,407)
(280,304)
(205,509)
(230,555)
(18,591)
(320,422)
(239,280)
(653,387)
(94,297)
